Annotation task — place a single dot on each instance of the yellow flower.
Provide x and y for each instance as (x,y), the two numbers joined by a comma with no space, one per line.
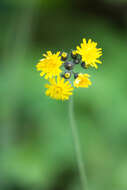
(50,65)
(74,52)
(82,81)
(59,89)
(64,55)
(90,53)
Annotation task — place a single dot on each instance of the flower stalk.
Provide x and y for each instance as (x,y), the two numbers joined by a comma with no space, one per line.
(75,136)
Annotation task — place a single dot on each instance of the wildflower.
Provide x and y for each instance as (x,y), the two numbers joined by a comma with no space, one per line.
(82,81)
(59,89)
(89,53)
(64,56)
(74,54)
(67,75)
(50,65)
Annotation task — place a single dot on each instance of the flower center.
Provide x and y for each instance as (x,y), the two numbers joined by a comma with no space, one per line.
(58,90)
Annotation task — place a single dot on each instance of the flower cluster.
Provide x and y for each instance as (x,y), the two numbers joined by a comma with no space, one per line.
(59,68)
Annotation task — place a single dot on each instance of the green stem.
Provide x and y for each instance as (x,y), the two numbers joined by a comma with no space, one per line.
(76,141)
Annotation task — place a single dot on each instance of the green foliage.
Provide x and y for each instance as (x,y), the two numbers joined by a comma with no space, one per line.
(45,3)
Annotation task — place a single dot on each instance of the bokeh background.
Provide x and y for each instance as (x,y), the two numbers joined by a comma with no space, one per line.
(36,145)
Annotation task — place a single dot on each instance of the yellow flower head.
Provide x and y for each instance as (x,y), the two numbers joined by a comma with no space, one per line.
(50,65)
(82,81)
(74,52)
(59,89)
(64,54)
(89,53)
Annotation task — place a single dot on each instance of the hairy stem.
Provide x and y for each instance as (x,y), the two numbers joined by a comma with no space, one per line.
(78,152)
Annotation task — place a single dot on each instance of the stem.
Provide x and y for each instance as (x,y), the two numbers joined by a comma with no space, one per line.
(76,142)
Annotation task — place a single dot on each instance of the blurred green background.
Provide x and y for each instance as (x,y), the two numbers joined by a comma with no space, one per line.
(36,145)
